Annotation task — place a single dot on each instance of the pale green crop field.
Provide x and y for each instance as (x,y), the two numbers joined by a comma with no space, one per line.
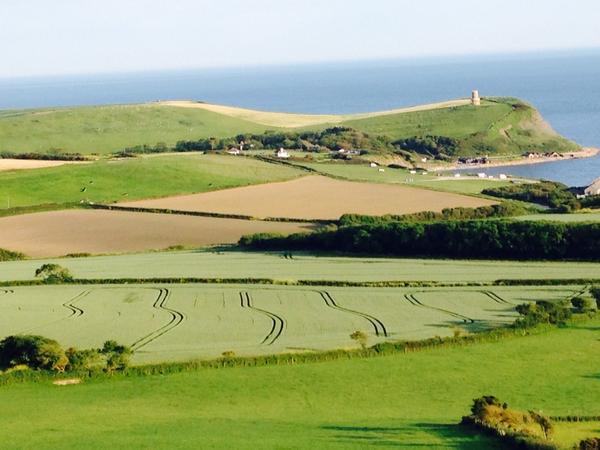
(184,322)
(405,401)
(238,264)
(581,217)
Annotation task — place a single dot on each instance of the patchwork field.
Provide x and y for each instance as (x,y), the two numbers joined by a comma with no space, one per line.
(148,177)
(314,197)
(236,264)
(407,401)
(58,233)
(183,322)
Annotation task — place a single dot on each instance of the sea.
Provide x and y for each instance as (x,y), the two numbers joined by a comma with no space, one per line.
(564,86)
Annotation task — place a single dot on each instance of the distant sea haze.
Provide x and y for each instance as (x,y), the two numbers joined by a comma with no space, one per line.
(565,87)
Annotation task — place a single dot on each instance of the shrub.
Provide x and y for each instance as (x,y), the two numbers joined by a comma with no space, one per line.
(117,356)
(595,291)
(36,352)
(7,255)
(581,304)
(361,338)
(590,444)
(548,193)
(53,273)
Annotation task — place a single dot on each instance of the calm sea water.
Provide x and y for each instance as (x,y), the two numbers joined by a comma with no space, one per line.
(565,87)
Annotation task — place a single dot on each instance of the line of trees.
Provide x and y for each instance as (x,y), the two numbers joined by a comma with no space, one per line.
(455,239)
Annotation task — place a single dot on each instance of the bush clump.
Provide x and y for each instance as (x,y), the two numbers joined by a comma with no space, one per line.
(54,274)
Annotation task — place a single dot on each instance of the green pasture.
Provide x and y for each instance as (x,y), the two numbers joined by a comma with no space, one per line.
(236,264)
(569,434)
(431,180)
(106,129)
(129,179)
(412,400)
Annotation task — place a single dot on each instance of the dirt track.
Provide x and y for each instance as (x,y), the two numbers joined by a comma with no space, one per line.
(58,233)
(315,197)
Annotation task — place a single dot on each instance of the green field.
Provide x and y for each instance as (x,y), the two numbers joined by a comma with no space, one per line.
(128,179)
(568,434)
(495,127)
(184,322)
(234,264)
(407,401)
(363,172)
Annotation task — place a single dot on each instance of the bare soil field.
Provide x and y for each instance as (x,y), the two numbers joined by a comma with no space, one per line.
(23,164)
(314,197)
(59,233)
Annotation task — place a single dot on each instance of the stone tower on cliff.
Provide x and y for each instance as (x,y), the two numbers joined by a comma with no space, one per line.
(475,99)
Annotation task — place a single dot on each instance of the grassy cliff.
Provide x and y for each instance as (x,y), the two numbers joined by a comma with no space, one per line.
(500,126)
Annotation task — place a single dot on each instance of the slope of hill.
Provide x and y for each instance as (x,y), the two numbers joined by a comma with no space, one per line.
(455,128)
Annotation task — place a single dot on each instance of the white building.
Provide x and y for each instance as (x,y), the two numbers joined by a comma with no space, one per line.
(282,153)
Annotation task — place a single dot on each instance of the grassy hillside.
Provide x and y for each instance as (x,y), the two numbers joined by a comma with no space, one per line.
(501,126)
(106,129)
(108,181)
(406,401)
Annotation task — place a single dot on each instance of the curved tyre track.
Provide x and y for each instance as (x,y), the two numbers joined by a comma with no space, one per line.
(377,324)
(70,304)
(277,323)
(496,297)
(160,304)
(416,302)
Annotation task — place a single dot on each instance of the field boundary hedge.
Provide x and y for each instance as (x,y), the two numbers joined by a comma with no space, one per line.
(323,283)
(204,214)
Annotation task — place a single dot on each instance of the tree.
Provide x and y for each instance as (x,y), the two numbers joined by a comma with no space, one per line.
(595,291)
(54,273)
(88,359)
(360,337)
(581,303)
(36,352)
(117,356)
(544,422)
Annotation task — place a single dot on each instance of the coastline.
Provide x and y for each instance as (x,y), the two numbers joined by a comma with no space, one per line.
(586,152)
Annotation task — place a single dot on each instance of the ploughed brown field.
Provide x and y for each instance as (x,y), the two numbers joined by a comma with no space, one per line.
(314,197)
(58,233)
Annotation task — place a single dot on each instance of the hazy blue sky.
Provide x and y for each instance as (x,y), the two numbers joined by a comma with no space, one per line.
(40,37)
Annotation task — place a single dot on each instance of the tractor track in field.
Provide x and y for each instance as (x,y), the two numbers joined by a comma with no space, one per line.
(416,302)
(7,291)
(278,323)
(377,324)
(70,304)
(160,304)
(495,297)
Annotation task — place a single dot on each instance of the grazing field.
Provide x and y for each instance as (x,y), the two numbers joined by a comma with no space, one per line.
(110,181)
(569,434)
(363,172)
(235,264)
(506,126)
(406,401)
(58,233)
(183,322)
(315,197)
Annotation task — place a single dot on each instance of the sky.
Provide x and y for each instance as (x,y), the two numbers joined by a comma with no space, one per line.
(41,37)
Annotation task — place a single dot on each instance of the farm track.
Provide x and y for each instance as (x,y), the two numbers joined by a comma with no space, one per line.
(176,319)
(375,322)
(70,304)
(277,323)
(416,302)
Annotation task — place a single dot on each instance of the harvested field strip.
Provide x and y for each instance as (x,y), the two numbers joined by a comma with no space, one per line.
(377,324)
(176,319)
(414,301)
(70,304)
(277,322)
